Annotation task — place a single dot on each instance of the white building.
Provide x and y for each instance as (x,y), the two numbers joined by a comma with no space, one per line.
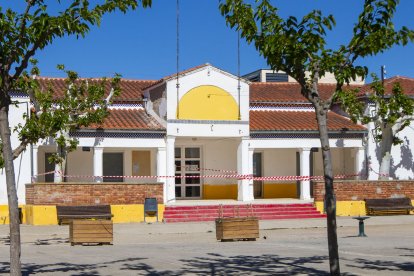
(216,130)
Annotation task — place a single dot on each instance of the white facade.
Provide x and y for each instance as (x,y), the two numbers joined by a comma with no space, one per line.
(213,147)
(22,165)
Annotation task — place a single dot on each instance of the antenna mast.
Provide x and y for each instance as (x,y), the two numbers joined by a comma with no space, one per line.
(178,54)
(383,74)
(238,71)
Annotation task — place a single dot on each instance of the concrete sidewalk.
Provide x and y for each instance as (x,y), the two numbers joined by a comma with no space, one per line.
(285,247)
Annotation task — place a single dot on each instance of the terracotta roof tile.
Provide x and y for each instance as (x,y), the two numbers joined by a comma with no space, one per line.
(129,119)
(131,90)
(174,75)
(297,121)
(286,91)
(406,83)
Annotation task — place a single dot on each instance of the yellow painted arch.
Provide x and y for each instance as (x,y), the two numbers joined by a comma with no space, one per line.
(207,102)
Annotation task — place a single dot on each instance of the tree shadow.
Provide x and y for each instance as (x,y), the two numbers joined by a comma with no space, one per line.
(216,264)
(61,267)
(407,159)
(410,251)
(382,265)
(5,240)
(52,241)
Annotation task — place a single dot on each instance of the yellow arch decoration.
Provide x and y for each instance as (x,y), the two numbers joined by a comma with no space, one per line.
(207,102)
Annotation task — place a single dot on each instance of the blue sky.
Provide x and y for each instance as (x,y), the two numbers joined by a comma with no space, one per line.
(142,43)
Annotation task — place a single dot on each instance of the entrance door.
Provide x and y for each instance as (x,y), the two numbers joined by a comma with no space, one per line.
(257,172)
(187,165)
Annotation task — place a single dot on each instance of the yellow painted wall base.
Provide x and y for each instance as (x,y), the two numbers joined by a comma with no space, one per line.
(46,215)
(41,215)
(228,191)
(277,190)
(134,213)
(346,208)
(4,214)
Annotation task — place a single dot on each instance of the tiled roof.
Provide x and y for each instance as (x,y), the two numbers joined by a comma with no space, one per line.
(175,75)
(131,90)
(297,121)
(407,84)
(129,119)
(286,91)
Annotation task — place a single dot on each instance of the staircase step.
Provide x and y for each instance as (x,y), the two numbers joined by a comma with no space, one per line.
(260,218)
(262,211)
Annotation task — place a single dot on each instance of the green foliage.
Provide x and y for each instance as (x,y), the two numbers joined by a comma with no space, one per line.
(297,46)
(393,110)
(55,116)
(23,34)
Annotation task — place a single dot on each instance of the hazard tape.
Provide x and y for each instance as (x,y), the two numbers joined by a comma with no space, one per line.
(225,176)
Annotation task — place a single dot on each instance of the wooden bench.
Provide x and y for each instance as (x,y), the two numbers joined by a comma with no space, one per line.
(67,213)
(388,205)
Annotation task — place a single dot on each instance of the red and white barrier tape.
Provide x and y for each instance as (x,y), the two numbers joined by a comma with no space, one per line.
(226,176)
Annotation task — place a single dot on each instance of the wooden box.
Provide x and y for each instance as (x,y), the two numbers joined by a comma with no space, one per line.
(244,228)
(90,231)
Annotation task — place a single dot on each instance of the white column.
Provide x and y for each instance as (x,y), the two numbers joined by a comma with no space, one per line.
(245,186)
(305,171)
(359,162)
(162,169)
(170,181)
(35,160)
(98,163)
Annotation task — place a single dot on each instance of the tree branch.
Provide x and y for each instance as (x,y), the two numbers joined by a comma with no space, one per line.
(22,29)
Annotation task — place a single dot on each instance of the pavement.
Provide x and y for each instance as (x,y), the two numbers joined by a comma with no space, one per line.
(285,247)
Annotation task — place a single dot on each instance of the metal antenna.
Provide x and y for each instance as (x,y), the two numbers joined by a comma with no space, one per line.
(238,70)
(178,55)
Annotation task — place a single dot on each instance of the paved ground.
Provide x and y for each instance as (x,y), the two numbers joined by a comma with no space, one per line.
(288,247)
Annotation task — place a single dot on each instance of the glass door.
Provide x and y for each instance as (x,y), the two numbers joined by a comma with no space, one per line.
(187,168)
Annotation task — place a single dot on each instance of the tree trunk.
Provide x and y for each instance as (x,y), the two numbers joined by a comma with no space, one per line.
(330,204)
(15,265)
(385,151)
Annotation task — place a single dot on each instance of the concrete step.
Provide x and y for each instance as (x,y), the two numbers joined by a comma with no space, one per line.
(262,211)
(269,217)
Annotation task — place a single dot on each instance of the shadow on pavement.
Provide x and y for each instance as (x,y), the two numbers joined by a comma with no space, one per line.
(373,266)
(410,251)
(52,241)
(214,264)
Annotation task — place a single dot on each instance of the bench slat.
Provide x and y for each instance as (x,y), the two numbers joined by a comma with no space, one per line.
(388,204)
(83,212)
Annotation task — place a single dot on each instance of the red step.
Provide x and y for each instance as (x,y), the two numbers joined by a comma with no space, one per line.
(262,211)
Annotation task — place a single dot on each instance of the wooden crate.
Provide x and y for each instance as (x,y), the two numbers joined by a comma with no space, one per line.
(245,228)
(90,231)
